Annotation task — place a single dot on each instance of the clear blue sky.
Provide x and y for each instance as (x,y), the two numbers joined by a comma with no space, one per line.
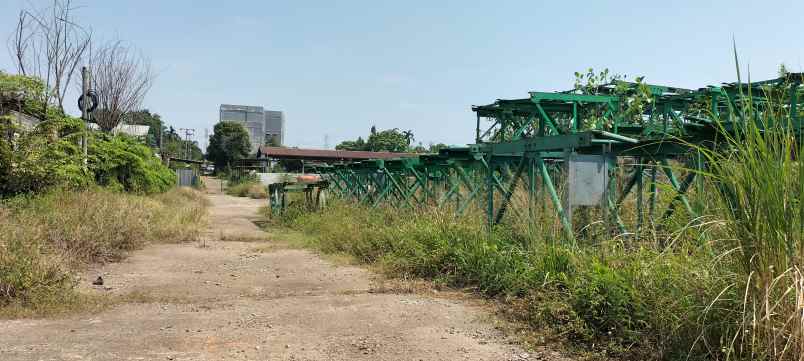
(337,67)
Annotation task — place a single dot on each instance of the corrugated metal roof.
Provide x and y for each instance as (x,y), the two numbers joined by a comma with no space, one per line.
(132,130)
(128,129)
(325,154)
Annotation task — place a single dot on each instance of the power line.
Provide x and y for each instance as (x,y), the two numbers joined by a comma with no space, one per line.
(188,132)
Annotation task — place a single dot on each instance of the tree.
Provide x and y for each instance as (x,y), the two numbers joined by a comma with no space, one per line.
(48,44)
(229,142)
(408,136)
(172,144)
(783,72)
(358,144)
(121,78)
(435,148)
(152,120)
(431,148)
(390,140)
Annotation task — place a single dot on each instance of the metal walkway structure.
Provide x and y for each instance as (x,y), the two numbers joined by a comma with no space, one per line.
(551,156)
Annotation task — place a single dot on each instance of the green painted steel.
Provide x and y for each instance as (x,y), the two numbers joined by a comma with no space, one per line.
(515,172)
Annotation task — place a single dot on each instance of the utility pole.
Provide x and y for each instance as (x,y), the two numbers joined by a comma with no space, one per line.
(85,109)
(187,133)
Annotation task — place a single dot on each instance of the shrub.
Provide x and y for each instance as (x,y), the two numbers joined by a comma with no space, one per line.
(122,163)
(608,303)
(45,158)
(49,157)
(254,190)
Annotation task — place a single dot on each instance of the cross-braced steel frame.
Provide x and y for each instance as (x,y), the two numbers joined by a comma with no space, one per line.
(517,168)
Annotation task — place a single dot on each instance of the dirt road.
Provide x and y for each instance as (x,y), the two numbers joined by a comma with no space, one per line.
(235,297)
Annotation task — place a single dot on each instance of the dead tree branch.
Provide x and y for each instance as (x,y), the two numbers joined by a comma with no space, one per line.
(121,78)
(49,45)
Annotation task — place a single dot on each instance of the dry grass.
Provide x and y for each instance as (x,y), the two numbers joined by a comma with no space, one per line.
(47,238)
(250,189)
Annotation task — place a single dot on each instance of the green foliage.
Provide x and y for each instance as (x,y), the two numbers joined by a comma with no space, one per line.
(152,120)
(635,97)
(390,140)
(172,144)
(640,305)
(229,142)
(122,163)
(15,90)
(759,186)
(591,82)
(250,189)
(358,144)
(431,148)
(608,303)
(728,287)
(45,158)
(235,178)
(50,156)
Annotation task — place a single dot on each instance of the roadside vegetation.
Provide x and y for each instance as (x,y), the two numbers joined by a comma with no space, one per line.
(61,208)
(48,238)
(253,190)
(725,286)
(246,185)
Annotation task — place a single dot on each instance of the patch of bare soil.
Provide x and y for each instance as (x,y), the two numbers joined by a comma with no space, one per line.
(241,295)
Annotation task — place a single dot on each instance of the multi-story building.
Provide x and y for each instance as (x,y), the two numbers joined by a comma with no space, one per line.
(263,126)
(274,128)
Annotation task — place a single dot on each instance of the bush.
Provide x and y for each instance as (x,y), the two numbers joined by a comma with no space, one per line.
(254,190)
(608,303)
(45,158)
(50,157)
(122,163)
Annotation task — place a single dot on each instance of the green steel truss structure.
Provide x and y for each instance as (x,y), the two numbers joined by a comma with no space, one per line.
(517,170)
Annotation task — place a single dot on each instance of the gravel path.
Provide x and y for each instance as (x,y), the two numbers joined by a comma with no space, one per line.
(237,297)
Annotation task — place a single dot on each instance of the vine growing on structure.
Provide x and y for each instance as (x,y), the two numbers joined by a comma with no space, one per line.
(635,98)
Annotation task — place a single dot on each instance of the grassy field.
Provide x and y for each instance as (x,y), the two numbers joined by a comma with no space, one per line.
(48,238)
(725,287)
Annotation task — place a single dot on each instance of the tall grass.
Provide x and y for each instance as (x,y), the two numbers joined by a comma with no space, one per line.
(760,190)
(46,238)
